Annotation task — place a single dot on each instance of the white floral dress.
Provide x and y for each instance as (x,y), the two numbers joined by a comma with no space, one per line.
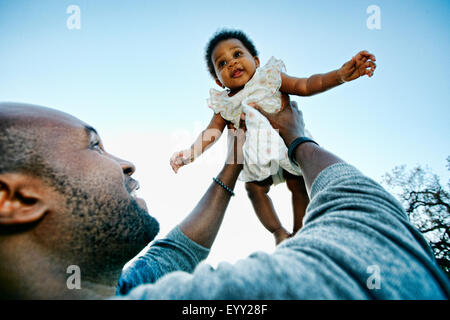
(265,153)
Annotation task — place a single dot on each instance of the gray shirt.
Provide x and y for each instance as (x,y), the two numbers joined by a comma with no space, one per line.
(356,243)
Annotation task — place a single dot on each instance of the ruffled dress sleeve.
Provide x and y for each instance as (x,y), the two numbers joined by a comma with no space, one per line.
(269,76)
(264,87)
(229,109)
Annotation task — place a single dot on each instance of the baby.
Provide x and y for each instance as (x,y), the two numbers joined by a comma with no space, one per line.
(233,62)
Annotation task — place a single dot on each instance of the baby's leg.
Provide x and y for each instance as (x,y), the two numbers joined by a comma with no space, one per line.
(257,192)
(300,198)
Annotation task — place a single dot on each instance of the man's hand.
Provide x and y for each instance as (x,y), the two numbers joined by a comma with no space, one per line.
(311,158)
(361,64)
(181,158)
(288,121)
(236,139)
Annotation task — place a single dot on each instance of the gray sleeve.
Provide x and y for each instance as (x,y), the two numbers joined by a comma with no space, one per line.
(356,243)
(175,252)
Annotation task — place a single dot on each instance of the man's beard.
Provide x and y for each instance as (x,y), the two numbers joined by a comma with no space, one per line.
(108,227)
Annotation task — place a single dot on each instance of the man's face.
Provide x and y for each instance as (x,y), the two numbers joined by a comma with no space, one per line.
(97,216)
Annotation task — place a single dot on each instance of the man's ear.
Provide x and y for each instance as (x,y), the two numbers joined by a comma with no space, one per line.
(22,199)
(219,83)
(257,63)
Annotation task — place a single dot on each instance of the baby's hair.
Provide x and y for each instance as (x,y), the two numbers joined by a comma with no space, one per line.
(222,35)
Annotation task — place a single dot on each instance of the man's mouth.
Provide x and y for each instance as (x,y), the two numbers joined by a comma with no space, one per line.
(133,194)
(132,187)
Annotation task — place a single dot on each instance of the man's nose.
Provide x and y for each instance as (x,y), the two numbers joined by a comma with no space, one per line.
(128,168)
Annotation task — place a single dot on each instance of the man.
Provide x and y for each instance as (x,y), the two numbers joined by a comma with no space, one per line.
(64,200)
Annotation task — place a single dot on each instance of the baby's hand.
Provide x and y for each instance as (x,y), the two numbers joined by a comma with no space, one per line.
(181,158)
(361,64)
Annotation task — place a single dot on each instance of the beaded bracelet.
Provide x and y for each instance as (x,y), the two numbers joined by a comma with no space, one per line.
(220,183)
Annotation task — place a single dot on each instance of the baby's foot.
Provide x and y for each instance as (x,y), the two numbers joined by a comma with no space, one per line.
(281,235)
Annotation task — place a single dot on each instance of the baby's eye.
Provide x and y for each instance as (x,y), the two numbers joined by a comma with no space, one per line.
(222,63)
(237,54)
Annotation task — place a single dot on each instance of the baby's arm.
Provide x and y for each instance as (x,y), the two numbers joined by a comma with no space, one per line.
(206,139)
(359,65)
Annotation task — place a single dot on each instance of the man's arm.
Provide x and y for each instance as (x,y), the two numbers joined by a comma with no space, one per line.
(203,223)
(188,243)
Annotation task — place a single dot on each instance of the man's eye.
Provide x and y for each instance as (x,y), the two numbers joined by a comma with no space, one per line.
(96,146)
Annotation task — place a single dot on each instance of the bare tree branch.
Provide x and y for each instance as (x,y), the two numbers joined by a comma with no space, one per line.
(427,204)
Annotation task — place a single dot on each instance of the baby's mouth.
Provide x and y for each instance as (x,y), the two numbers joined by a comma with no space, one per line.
(237,73)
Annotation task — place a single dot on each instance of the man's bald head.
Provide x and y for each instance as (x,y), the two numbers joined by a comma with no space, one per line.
(21,138)
(28,139)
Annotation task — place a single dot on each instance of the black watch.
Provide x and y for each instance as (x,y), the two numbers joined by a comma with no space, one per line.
(294,146)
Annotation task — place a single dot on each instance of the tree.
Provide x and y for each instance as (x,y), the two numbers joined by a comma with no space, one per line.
(427,204)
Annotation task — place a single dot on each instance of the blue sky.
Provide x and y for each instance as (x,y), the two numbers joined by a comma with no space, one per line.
(135,71)
(140,64)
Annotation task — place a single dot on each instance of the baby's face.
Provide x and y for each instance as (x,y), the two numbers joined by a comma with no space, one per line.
(233,63)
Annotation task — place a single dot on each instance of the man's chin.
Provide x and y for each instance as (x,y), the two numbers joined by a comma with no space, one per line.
(142,204)
(149,224)
(152,229)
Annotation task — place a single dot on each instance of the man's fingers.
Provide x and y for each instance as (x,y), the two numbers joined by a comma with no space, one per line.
(257,107)
(293,105)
